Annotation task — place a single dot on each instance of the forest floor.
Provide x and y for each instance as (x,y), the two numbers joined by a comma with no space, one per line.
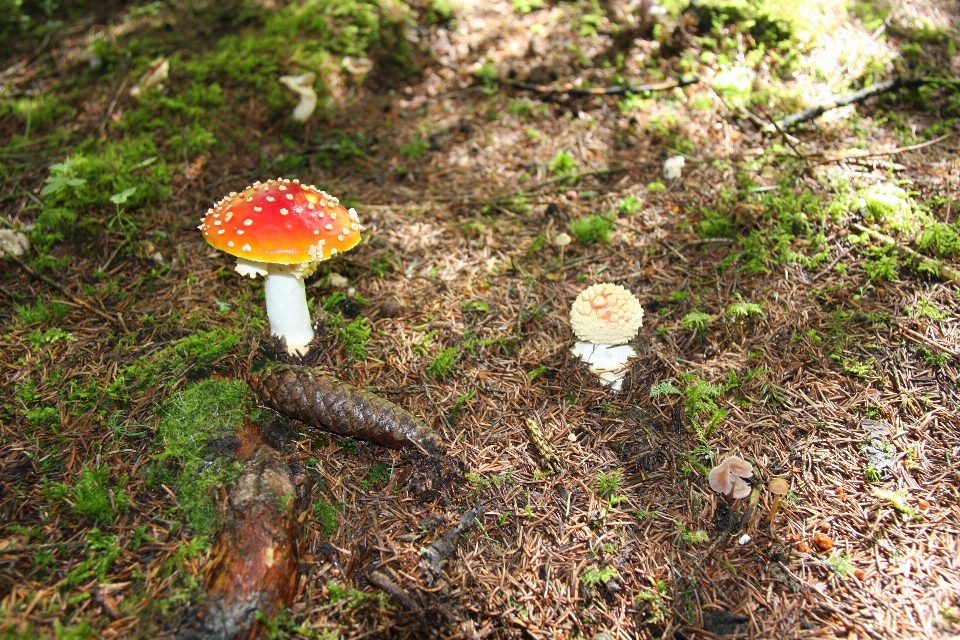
(799,287)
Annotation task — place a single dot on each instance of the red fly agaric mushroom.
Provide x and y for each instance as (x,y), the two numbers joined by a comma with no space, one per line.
(604,317)
(727,477)
(281,230)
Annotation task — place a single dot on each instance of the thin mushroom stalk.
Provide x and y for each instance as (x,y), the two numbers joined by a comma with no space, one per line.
(286,298)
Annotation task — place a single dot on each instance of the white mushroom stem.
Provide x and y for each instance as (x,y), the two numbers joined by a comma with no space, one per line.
(303,86)
(608,362)
(287,308)
(286,301)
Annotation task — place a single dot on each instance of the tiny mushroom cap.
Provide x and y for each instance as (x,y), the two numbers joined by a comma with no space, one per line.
(606,314)
(727,477)
(282,229)
(562,239)
(778,486)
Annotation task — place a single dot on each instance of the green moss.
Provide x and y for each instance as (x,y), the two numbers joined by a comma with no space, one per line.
(192,422)
(197,351)
(443,364)
(111,168)
(93,496)
(592,228)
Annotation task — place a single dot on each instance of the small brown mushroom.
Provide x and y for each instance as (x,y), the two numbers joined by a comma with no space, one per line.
(779,488)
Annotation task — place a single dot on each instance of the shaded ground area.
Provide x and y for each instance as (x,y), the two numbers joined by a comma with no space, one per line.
(799,289)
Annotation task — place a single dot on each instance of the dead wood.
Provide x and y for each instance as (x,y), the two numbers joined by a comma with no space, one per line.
(853,98)
(604,91)
(944,270)
(256,557)
(443,548)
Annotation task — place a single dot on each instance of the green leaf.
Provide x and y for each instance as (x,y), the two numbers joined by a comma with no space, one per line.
(53,185)
(120,198)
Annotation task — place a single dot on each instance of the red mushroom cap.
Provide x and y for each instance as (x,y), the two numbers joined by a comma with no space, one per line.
(282,222)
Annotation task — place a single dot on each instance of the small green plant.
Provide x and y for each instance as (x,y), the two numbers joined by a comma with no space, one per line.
(607,484)
(698,536)
(592,228)
(883,267)
(443,364)
(326,515)
(629,205)
(595,576)
(662,389)
(414,148)
(655,599)
(526,6)
(355,336)
(741,310)
(377,473)
(927,309)
(475,305)
(94,497)
(840,562)
(695,321)
(562,163)
(458,406)
(62,175)
(938,360)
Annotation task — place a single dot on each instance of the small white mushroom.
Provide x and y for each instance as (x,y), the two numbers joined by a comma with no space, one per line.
(154,78)
(604,317)
(302,85)
(673,167)
(728,477)
(357,66)
(13,243)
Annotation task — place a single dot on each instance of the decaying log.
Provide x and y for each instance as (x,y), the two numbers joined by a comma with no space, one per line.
(323,401)
(256,556)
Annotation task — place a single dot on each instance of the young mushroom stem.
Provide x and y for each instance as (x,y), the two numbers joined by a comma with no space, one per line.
(778,487)
(287,310)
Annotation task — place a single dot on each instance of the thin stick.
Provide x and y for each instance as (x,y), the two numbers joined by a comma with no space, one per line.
(58,287)
(913,147)
(856,96)
(605,91)
(40,547)
(945,271)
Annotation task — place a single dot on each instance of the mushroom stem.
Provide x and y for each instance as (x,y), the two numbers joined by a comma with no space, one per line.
(773,509)
(287,308)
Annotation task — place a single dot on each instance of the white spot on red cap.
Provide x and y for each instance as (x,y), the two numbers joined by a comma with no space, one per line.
(239,232)
(283,212)
(247,222)
(245,247)
(229,243)
(270,198)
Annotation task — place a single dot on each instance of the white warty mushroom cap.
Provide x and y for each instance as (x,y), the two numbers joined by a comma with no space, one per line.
(606,313)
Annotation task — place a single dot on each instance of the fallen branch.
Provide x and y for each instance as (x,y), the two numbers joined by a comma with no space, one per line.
(61,289)
(604,91)
(853,154)
(936,266)
(443,548)
(855,97)
(47,545)
(254,572)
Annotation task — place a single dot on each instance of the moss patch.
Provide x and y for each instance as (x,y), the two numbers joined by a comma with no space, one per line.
(195,435)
